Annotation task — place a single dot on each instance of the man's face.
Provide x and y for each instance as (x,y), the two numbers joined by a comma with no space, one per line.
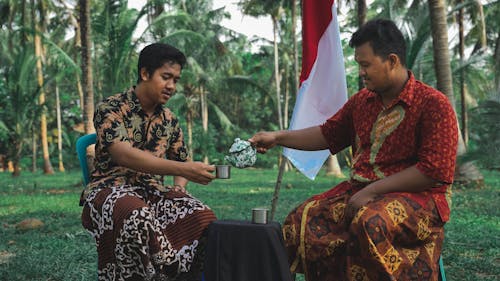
(374,71)
(162,84)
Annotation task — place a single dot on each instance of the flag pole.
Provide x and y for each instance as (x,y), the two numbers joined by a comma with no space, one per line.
(277,187)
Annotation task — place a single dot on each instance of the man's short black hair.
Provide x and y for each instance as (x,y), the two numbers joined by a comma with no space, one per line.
(156,55)
(384,36)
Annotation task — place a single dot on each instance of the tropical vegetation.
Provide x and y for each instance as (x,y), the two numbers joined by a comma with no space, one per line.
(58,58)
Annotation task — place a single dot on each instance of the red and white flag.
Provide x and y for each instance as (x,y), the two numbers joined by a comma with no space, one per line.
(323,88)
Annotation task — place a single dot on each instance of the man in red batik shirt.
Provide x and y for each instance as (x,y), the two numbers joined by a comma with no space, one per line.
(386,222)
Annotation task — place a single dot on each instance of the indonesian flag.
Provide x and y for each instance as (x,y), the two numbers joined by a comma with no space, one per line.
(323,88)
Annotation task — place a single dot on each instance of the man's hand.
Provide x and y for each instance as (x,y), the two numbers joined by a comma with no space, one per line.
(263,141)
(197,172)
(358,200)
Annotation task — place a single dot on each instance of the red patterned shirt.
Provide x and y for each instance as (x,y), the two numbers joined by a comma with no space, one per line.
(417,128)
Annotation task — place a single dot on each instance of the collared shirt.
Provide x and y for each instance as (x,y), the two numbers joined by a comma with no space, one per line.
(120,118)
(419,128)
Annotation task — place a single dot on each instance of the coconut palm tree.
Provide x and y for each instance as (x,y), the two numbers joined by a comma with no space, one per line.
(40,27)
(86,65)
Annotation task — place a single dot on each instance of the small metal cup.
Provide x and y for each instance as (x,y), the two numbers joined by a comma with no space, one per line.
(259,215)
(222,171)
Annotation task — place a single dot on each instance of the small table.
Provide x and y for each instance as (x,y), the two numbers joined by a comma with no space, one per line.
(244,251)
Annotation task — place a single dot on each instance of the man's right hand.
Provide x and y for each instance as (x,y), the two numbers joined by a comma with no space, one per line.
(198,172)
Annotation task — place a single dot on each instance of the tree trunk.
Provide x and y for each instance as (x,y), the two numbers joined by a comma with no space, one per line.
(59,131)
(496,59)
(437,9)
(204,119)
(482,24)
(47,166)
(189,121)
(87,78)
(276,72)
(14,166)
(33,152)
(460,21)
(361,13)
(295,49)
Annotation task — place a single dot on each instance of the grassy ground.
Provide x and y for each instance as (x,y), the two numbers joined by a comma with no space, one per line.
(62,250)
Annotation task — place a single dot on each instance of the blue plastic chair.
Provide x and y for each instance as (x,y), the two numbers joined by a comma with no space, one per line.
(81,150)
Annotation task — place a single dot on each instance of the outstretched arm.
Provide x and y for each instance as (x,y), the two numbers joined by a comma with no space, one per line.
(305,139)
(125,155)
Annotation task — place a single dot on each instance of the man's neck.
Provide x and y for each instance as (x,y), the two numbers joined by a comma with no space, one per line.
(147,106)
(396,88)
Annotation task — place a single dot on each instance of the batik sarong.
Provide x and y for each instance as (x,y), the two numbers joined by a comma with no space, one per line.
(146,234)
(391,238)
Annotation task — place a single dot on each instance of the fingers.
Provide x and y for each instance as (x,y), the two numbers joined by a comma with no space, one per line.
(262,141)
(261,150)
(198,172)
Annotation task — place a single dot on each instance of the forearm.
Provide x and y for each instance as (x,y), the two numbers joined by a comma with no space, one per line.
(178,180)
(408,180)
(305,139)
(125,155)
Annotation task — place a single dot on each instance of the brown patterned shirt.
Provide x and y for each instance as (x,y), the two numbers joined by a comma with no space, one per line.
(120,118)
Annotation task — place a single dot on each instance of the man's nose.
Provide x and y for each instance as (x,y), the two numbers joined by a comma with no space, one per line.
(361,72)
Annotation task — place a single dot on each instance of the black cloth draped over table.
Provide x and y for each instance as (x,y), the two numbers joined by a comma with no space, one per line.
(244,251)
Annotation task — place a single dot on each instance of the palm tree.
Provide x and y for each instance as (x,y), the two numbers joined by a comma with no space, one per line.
(86,62)
(439,27)
(39,27)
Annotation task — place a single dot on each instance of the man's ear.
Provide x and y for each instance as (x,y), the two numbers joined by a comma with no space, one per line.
(393,60)
(144,74)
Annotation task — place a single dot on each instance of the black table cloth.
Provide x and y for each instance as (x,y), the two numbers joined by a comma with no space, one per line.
(244,251)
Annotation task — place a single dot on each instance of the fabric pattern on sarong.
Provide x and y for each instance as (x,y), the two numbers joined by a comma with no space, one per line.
(392,238)
(145,234)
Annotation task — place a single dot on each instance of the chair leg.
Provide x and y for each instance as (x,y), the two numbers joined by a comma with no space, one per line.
(442,275)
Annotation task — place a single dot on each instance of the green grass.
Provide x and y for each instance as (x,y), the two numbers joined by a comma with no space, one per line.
(62,250)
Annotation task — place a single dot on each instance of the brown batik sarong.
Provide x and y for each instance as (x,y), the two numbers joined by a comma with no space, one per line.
(146,234)
(392,238)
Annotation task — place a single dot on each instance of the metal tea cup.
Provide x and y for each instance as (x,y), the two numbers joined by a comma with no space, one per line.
(259,215)
(222,171)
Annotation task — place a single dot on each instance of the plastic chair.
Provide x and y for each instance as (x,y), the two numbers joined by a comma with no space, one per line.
(81,150)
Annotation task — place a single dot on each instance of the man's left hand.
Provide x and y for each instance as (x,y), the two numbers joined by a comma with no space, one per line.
(358,200)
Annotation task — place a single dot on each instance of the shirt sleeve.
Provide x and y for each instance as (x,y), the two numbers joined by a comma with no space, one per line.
(109,124)
(438,140)
(338,129)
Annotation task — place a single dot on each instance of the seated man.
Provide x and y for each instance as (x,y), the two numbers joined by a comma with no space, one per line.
(386,221)
(143,229)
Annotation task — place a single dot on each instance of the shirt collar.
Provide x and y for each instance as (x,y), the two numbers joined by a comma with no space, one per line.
(406,95)
(135,104)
